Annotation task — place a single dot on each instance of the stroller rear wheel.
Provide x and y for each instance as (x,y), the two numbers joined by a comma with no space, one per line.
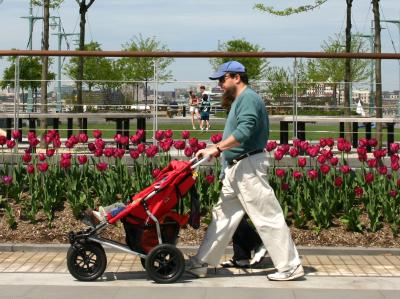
(165,263)
(86,262)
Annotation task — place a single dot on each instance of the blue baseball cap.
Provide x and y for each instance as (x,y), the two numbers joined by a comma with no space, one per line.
(228,67)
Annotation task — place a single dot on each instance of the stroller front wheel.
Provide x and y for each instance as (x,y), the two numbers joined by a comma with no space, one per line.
(165,263)
(86,262)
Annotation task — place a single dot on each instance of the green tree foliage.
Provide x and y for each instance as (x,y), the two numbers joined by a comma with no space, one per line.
(142,68)
(280,81)
(30,73)
(290,10)
(53,3)
(97,70)
(255,67)
(333,70)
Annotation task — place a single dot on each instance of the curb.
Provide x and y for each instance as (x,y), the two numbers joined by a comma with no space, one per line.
(28,247)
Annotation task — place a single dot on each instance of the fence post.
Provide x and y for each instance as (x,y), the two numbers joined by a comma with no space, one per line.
(295,98)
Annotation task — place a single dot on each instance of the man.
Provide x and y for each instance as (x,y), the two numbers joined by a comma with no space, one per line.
(205,107)
(245,187)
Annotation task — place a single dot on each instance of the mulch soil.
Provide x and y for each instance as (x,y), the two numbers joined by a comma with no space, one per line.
(64,222)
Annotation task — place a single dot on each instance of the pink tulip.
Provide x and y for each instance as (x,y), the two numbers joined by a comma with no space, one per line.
(284,186)
(83,138)
(15,134)
(141,147)
(50,152)
(42,157)
(393,193)
(280,173)
(216,138)
(10,144)
(334,161)
(185,134)
(134,154)
(179,144)
(383,170)
(91,147)
(168,133)
(345,169)
(193,142)
(7,180)
(155,172)
(27,158)
(135,139)
(66,156)
(101,166)
(312,174)
(271,145)
(358,191)
(188,152)
(3,140)
(108,152)
(43,167)
(65,163)
(324,168)
(293,152)
(82,159)
(278,155)
(210,179)
(119,153)
(30,169)
(297,174)
(98,152)
(373,142)
(369,177)
(159,135)
(338,181)
(301,161)
(97,134)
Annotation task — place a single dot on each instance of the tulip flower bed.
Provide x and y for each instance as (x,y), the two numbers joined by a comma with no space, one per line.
(43,181)
(320,188)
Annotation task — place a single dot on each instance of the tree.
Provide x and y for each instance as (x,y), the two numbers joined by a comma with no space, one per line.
(305,8)
(98,72)
(83,8)
(142,68)
(290,10)
(378,69)
(29,73)
(52,4)
(333,70)
(45,63)
(255,67)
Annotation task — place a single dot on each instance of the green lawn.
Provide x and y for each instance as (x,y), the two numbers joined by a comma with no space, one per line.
(313,131)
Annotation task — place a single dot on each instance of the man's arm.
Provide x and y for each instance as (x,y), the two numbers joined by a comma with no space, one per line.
(214,150)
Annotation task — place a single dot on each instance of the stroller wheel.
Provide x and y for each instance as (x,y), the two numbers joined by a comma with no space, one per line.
(165,263)
(86,262)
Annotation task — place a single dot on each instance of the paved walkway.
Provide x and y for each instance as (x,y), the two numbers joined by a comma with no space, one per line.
(357,274)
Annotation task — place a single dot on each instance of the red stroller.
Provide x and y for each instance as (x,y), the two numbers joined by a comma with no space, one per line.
(152,221)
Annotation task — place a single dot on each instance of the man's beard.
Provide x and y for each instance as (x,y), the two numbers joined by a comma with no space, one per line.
(228,97)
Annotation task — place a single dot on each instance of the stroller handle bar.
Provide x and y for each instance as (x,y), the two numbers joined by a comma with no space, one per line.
(195,162)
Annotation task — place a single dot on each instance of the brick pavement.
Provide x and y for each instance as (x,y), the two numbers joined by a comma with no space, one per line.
(385,265)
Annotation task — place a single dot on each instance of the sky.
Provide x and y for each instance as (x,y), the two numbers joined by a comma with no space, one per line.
(194,25)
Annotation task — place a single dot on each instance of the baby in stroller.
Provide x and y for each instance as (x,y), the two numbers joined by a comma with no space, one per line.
(151,220)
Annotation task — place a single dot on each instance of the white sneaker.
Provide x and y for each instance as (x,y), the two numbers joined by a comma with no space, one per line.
(291,274)
(196,267)
(259,253)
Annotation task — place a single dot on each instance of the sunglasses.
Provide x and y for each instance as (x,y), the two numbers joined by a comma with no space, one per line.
(223,79)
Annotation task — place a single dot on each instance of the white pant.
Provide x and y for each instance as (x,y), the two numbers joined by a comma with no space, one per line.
(246,190)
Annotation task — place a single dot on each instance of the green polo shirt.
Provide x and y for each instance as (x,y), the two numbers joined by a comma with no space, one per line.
(248,122)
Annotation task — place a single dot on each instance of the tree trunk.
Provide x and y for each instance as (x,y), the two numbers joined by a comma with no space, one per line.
(45,64)
(79,83)
(347,70)
(378,72)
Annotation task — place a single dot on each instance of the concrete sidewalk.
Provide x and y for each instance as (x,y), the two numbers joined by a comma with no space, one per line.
(41,272)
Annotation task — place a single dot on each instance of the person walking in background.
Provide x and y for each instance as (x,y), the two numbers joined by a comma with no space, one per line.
(205,107)
(193,107)
(245,187)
